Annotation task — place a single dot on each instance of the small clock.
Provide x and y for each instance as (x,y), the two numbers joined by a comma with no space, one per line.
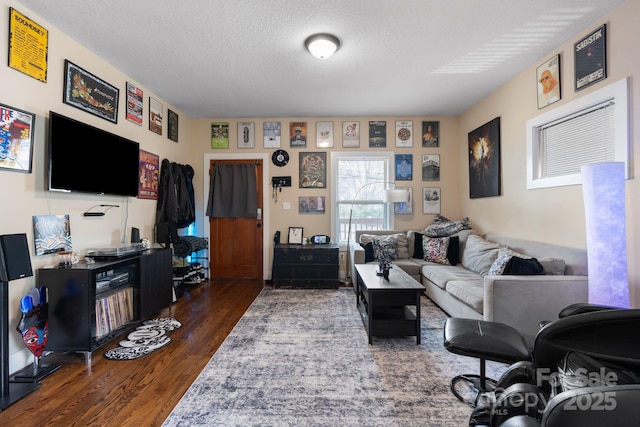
(280,158)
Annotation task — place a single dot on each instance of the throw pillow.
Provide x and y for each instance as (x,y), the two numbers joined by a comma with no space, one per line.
(504,256)
(522,266)
(418,251)
(398,239)
(442,227)
(368,252)
(553,266)
(453,251)
(384,249)
(479,254)
(435,249)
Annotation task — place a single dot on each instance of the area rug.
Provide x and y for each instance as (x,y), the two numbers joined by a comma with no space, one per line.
(147,338)
(302,358)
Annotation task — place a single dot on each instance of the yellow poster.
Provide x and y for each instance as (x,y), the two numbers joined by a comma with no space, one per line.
(28,46)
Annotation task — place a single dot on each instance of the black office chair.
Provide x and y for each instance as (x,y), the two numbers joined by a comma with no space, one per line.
(608,335)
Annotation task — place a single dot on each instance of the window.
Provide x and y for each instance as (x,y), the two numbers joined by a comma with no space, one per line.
(358,185)
(591,129)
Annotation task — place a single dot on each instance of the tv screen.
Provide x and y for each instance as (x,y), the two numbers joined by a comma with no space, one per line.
(90,160)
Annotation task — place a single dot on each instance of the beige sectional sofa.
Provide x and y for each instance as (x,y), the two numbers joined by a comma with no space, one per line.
(468,290)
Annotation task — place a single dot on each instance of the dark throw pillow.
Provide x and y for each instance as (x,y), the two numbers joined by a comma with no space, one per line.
(453,251)
(368,252)
(521,266)
(418,251)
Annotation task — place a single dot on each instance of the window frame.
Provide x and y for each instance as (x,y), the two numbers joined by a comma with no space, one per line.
(388,157)
(617,93)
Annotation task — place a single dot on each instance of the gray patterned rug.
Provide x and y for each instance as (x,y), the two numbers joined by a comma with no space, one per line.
(302,358)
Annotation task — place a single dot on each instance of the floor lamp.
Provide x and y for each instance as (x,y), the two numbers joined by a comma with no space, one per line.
(603,186)
(391,195)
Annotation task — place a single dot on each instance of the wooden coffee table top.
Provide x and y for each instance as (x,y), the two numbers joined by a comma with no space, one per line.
(398,279)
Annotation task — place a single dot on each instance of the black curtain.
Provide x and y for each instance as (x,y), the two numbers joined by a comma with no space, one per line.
(232,191)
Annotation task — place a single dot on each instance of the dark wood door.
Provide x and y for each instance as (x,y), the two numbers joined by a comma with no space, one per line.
(235,249)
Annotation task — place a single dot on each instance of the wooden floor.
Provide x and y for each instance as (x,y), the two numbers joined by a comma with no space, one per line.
(139,392)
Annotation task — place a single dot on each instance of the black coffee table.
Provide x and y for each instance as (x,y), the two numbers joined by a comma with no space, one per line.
(388,307)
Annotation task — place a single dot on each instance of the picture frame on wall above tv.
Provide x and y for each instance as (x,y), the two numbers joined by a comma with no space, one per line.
(89,93)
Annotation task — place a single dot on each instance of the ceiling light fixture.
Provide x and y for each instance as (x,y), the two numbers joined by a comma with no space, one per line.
(322,46)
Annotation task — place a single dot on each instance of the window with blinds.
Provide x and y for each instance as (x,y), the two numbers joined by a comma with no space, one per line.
(589,130)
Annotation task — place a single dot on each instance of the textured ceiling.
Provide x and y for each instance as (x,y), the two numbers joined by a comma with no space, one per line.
(241,58)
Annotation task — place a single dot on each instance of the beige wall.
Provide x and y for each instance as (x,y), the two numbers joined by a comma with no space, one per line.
(555,215)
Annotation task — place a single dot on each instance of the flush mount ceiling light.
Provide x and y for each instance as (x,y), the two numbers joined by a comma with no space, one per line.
(322,46)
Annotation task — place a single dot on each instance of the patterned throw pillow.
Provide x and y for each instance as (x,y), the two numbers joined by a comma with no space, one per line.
(384,249)
(435,249)
(442,226)
(497,268)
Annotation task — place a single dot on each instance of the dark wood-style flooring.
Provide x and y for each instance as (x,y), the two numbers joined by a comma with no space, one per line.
(139,392)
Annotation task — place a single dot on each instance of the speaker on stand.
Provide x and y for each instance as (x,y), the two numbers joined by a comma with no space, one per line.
(15,263)
(135,235)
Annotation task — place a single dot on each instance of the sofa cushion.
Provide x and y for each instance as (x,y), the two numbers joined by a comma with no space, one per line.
(384,248)
(440,274)
(399,240)
(479,254)
(470,292)
(409,266)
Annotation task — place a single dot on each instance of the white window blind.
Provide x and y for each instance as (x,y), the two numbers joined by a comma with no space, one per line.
(584,138)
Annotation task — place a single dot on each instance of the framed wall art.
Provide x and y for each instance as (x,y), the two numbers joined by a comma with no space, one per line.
(324,134)
(430,132)
(313,170)
(149,176)
(311,204)
(220,135)
(28,46)
(16,139)
(298,134)
(134,104)
(431,200)
(351,134)
(484,160)
(246,135)
(377,134)
(404,133)
(404,167)
(172,125)
(89,93)
(272,132)
(155,116)
(431,167)
(591,58)
(548,82)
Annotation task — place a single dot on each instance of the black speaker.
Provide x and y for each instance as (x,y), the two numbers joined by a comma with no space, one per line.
(15,261)
(135,235)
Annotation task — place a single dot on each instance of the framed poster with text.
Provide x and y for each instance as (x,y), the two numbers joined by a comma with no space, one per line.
(28,46)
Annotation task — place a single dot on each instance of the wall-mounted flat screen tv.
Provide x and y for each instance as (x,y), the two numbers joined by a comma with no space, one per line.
(86,159)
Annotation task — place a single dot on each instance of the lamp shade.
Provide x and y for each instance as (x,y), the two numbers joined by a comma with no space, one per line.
(604,203)
(395,196)
(322,46)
